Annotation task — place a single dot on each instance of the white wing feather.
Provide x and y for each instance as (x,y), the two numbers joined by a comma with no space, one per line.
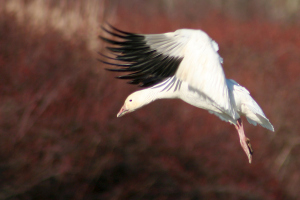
(200,67)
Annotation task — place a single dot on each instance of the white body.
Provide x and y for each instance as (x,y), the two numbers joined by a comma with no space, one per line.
(241,101)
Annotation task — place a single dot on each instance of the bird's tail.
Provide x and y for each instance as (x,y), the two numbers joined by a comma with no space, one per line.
(261,120)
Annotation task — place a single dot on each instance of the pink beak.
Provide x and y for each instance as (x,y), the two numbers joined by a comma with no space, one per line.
(122,111)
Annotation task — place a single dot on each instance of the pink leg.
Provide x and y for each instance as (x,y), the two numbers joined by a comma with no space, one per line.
(245,142)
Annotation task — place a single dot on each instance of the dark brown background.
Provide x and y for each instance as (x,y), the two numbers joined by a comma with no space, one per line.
(59,135)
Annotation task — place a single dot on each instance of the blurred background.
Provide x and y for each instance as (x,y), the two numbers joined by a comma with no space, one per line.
(59,135)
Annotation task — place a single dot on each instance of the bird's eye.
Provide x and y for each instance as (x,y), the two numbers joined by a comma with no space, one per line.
(130,100)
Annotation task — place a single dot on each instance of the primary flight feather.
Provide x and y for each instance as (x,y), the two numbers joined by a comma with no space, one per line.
(184,64)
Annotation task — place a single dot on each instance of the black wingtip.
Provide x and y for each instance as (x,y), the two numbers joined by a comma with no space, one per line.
(114,64)
(120,31)
(105,56)
(147,66)
(111,41)
(115,29)
(112,33)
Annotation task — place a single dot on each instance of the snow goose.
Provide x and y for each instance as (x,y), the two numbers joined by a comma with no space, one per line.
(184,64)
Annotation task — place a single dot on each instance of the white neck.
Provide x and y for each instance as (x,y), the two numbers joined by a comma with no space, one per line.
(151,94)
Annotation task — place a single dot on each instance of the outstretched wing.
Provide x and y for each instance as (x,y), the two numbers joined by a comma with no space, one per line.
(148,66)
(190,55)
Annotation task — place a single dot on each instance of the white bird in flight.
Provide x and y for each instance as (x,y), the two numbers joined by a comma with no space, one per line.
(184,64)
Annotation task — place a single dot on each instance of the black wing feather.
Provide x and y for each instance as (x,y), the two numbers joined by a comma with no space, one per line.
(147,66)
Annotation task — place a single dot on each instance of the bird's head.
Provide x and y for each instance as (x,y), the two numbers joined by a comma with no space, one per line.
(135,101)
